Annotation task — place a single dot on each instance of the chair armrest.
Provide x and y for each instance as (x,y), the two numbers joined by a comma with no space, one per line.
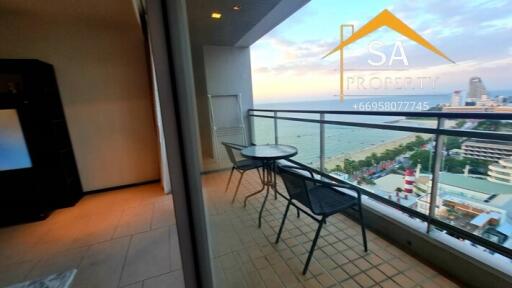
(291,167)
(329,183)
(234,146)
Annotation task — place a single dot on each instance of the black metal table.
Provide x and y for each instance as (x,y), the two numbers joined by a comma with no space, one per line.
(267,154)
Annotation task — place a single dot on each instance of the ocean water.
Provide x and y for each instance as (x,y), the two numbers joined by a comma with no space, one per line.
(340,140)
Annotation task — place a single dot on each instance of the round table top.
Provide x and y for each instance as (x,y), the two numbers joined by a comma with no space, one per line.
(269,152)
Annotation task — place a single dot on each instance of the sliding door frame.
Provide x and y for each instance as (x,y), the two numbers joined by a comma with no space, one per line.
(170,49)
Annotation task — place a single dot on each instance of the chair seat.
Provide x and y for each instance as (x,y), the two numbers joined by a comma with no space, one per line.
(327,201)
(248,164)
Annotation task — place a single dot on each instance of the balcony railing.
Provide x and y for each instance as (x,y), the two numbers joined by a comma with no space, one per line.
(275,126)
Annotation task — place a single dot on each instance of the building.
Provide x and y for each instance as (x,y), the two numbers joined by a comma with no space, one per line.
(474,204)
(487,149)
(501,172)
(493,109)
(456,99)
(476,90)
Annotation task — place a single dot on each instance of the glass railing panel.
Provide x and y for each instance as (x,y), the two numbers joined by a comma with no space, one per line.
(395,165)
(475,187)
(305,136)
(262,128)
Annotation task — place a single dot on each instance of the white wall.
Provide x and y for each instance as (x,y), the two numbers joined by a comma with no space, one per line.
(228,72)
(97,50)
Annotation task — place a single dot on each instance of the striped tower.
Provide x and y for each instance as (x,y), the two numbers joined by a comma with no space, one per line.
(409,180)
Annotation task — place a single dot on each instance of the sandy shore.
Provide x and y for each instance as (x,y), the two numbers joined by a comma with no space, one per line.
(361,154)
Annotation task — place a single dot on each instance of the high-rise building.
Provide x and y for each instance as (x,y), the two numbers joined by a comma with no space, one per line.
(501,172)
(456,97)
(476,90)
(487,149)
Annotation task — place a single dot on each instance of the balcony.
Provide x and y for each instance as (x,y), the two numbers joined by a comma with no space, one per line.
(245,256)
(448,205)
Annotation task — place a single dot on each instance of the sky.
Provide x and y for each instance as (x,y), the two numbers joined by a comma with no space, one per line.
(288,64)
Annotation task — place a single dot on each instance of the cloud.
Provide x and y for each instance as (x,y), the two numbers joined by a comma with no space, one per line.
(498,24)
(475,34)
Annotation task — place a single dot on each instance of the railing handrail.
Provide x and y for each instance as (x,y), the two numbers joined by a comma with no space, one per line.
(492,135)
(432,114)
(439,130)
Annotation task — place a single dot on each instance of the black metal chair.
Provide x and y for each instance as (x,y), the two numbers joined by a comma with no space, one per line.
(240,164)
(320,197)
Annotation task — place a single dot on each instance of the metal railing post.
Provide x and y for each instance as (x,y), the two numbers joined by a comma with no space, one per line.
(322,142)
(438,157)
(275,128)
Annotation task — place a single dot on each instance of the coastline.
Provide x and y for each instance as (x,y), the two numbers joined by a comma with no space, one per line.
(331,162)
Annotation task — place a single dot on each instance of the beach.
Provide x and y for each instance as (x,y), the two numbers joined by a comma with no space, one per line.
(331,162)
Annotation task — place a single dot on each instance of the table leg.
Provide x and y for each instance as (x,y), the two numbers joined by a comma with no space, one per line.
(263,180)
(253,194)
(274,184)
(263,206)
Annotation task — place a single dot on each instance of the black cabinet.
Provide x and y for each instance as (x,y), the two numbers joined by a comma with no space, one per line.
(38,171)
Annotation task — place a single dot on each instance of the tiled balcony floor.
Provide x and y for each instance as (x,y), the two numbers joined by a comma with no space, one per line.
(245,256)
(122,238)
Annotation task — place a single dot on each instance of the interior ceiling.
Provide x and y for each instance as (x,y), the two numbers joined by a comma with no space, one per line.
(118,12)
(233,25)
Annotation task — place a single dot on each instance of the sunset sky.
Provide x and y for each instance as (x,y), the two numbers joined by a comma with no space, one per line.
(287,63)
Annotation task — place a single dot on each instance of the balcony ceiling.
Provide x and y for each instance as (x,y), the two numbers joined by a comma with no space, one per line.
(237,28)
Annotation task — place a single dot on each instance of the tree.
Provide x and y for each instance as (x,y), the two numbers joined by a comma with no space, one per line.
(453,143)
(454,165)
(460,123)
(350,166)
(374,157)
(421,157)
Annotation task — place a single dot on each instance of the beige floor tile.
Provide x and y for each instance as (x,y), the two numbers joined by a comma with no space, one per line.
(148,256)
(81,237)
(58,262)
(102,265)
(338,257)
(172,279)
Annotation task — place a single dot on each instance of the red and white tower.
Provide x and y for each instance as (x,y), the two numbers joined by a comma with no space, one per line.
(409,180)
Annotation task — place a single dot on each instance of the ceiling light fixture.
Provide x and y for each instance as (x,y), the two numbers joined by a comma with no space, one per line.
(216,15)
(237,7)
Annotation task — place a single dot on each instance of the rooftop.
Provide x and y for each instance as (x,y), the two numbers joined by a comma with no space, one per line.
(474,184)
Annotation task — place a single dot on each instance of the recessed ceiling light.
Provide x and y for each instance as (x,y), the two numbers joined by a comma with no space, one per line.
(216,15)
(237,7)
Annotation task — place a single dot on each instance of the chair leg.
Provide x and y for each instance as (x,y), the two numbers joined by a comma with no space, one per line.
(313,245)
(237,186)
(229,179)
(284,220)
(298,213)
(363,230)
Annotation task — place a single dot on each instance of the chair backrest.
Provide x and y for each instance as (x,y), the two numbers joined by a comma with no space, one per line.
(233,151)
(296,185)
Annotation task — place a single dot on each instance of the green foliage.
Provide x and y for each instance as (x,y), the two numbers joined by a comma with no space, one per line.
(455,165)
(493,125)
(421,157)
(351,166)
(453,143)
(460,123)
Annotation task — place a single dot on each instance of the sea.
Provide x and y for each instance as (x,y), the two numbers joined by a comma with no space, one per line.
(339,140)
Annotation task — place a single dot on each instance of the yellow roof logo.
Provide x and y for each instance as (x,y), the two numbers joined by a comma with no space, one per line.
(384,18)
